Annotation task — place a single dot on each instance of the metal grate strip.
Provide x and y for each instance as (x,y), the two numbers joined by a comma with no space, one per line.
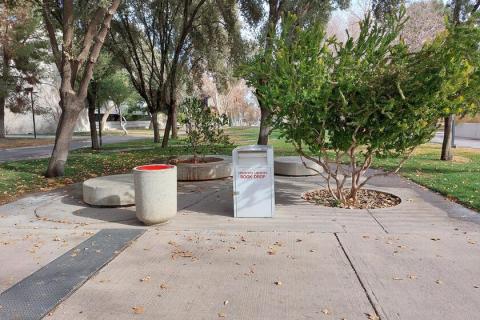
(37,294)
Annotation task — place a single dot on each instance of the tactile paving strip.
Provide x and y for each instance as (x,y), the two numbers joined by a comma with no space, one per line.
(34,296)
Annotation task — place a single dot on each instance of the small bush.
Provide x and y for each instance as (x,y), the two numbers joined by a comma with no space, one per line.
(204,127)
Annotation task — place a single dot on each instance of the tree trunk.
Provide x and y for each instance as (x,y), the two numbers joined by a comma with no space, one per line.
(2,118)
(156,128)
(168,126)
(264,127)
(93,127)
(66,126)
(274,13)
(447,152)
(108,110)
(174,122)
(91,119)
(3,98)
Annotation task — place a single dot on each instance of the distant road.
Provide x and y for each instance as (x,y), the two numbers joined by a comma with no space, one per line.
(459,142)
(46,150)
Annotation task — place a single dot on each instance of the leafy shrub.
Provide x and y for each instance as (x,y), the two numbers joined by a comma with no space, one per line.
(203,126)
(342,104)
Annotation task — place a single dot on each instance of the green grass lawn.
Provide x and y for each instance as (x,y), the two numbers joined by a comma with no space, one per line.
(459,180)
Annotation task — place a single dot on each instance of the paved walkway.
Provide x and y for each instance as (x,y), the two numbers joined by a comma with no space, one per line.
(45,151)
(459,141)
(418,260)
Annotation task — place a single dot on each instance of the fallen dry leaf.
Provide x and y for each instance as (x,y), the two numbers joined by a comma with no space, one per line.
(372,316)
(221,315)
(138,309)
(325,311)
(145,279)
(163,286)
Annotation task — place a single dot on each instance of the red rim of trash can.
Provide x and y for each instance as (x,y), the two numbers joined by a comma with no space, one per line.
(154,167)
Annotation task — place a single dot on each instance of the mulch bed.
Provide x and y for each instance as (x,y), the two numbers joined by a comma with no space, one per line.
(366,199)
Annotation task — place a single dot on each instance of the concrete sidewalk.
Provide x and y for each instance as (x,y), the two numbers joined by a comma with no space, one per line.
(418,260)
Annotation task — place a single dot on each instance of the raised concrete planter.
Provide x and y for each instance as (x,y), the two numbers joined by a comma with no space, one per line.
(293,166)
(109,191)
(204,171)
(155,192)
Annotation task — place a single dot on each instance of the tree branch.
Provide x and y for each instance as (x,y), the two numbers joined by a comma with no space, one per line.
(88,39)
(51,34)
(87,76)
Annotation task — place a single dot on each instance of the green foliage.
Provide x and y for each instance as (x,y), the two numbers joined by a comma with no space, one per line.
(116,87)
(365,97)
(457,54)
(204,127)
(22,53)
(112,83)
(385,8)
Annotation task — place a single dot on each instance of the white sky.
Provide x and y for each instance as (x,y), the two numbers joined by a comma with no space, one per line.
(357,9)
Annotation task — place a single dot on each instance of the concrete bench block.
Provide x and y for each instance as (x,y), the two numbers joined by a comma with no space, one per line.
(109,191)
(293,166)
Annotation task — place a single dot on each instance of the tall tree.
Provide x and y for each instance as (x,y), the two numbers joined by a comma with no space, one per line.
(267,16)
(161,43)
(461,11)
(109,83)
(115,90)
(22,51)
(384,8)
(75,57)
(102,70)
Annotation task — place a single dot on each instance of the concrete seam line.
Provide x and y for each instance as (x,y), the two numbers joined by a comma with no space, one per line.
(376,220)
(41,292)
(357,275)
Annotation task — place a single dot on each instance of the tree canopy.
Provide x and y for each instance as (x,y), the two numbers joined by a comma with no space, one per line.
(268,16)
(166,44)
(22,52)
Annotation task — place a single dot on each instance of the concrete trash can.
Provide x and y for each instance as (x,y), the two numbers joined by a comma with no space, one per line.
(155,192)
